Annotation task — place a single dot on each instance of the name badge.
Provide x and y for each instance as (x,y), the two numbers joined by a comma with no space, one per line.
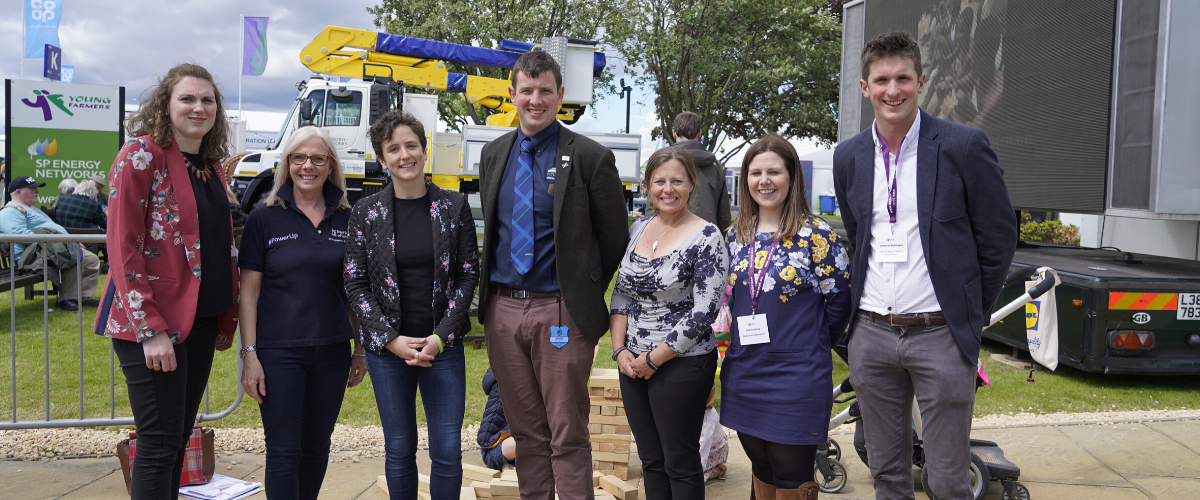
(550,180)
(558,336)
(891,248)
(753,329)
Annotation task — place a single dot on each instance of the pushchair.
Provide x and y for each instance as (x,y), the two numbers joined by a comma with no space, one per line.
(988,462)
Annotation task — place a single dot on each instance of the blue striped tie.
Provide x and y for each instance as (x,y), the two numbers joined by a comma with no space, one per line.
(521,248)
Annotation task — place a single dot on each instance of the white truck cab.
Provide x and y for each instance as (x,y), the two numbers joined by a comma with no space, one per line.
(345,111)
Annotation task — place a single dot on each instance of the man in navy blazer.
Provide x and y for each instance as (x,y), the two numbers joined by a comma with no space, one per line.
(933,232)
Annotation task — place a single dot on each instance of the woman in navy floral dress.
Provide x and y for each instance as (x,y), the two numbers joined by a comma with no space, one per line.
(666,297)
(790,304)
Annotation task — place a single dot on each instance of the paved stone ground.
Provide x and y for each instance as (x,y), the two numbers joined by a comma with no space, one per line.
(1154,460)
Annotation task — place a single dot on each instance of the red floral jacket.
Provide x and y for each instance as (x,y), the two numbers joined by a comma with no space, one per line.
(154,247)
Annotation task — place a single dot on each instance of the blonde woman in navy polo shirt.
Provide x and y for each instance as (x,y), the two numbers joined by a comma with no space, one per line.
(296,321)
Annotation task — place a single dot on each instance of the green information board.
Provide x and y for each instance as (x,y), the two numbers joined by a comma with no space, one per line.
(59,131)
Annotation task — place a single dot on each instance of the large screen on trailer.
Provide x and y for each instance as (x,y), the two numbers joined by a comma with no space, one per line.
(1035,75)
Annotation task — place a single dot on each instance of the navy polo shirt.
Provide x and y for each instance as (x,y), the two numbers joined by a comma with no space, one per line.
(303,300)
(543,276)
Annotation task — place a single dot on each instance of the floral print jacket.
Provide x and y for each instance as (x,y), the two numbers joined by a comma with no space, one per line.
(154,247)
(672,298)
(370,269)
(814,260)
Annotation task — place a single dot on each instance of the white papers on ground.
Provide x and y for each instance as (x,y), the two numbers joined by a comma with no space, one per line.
(221,488)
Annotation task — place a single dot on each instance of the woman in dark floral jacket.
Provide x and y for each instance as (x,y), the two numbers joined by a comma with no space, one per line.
(411,270)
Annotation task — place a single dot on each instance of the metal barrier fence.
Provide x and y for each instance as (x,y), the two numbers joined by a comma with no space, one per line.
(112,420)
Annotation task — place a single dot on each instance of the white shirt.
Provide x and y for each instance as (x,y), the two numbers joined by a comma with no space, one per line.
(897,287)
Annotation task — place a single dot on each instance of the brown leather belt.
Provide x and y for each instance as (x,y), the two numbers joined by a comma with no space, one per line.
(518,293)
(914,319)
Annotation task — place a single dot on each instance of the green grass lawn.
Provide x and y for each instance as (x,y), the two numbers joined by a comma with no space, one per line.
(1065,390)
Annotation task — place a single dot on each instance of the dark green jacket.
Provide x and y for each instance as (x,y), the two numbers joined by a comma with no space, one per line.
(591,227)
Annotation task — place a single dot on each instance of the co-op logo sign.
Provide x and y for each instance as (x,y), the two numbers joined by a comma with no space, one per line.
(46,101)
(42,10)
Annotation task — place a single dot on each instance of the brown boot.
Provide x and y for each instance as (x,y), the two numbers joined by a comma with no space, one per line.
(763,491)
(806,491)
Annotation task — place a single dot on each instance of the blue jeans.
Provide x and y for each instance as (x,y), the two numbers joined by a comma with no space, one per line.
(443,391)
(305,387)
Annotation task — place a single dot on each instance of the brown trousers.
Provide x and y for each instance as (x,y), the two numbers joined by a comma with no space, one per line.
(545,395)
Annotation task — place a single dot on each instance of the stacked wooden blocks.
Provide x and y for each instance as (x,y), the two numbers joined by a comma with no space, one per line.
(608,426)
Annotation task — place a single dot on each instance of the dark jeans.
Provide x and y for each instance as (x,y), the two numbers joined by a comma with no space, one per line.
(164,408)
(443,391)
(666,415)
(305,387)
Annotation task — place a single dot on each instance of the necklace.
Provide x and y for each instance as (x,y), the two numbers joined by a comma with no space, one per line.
(654,246)
(201,173)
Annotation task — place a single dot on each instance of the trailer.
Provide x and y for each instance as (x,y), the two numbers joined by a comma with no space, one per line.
(1118,312)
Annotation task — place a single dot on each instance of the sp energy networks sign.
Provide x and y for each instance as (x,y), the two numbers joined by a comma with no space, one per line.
(61,131)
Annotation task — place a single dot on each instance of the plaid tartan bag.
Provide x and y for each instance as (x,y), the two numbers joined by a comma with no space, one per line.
(199,461)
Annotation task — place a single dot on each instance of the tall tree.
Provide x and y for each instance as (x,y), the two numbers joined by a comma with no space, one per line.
(484,23)
(747,67)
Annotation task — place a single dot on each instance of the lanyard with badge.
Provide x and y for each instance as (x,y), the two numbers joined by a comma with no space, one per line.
(558,334)
(891,247)
(752,329)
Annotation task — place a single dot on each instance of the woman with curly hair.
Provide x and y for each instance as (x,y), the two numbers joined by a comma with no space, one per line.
(169,226)
(791,302)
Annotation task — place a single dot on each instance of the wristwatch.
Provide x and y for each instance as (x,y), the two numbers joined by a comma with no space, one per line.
(247,350)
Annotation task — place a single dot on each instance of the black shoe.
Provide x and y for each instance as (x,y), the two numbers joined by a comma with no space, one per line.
(66,305)
(91,302)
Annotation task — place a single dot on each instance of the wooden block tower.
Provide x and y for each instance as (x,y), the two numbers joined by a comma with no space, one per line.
(608,426)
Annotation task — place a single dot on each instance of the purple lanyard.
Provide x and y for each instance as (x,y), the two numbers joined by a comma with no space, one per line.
(889,178)
(758,276)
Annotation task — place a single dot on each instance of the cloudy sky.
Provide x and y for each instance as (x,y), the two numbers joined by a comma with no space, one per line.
(130,42)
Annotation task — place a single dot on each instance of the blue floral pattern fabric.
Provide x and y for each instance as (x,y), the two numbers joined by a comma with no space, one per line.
(813,258)
(779,390)
(672,298)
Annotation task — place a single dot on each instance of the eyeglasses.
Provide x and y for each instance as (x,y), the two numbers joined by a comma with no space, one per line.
(299,159)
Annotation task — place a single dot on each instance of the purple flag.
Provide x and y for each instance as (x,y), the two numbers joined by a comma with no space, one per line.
(254,45)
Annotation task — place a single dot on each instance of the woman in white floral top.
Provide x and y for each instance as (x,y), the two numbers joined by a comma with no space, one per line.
(791,301)
(666,297)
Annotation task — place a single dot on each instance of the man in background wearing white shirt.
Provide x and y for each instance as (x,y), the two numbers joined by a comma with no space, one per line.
(927,212)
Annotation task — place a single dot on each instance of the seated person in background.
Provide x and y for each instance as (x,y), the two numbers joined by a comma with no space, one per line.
(19,217)
(496,444)
(101,184)
(80,209)
(66,187)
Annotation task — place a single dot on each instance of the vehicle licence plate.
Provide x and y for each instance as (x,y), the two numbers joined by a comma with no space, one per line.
(1189,306)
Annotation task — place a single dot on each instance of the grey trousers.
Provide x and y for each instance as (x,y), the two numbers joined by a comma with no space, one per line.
(80,279)
(889,365)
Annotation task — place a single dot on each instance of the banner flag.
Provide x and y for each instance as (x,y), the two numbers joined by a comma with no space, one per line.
(254,46)
(41,26)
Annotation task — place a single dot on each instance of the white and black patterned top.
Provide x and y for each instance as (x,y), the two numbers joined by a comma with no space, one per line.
(674,297)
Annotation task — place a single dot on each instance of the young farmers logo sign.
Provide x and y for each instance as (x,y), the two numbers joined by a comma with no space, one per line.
(70,131)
